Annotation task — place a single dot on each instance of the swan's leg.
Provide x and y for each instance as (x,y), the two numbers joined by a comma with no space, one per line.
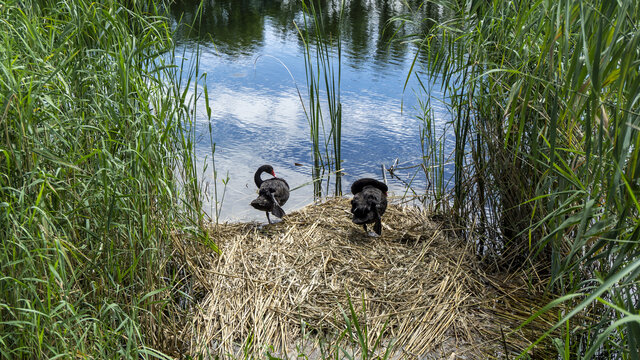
(378,227)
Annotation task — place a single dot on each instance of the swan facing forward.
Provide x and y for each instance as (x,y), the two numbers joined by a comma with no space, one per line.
(369,203)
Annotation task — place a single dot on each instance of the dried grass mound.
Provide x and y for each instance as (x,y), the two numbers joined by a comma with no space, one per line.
(417,277)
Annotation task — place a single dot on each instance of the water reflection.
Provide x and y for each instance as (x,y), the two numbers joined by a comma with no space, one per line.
(241,26)
(257,115)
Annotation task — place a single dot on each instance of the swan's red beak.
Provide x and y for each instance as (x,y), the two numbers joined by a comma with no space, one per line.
(273,173)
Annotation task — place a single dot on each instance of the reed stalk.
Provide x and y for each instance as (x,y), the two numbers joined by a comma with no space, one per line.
(432,141)
(322,68)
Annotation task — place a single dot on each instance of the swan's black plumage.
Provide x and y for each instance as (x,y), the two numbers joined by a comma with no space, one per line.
(369,203)
(272,193)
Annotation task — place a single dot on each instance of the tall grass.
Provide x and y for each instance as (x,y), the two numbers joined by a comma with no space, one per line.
(93,152)
(323,80)
(545,101)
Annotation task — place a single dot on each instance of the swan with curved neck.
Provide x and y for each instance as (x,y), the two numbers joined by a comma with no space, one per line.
(272,193)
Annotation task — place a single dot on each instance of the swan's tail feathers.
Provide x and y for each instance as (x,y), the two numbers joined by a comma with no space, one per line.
(260,203)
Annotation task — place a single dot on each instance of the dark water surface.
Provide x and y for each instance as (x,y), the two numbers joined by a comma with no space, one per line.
(257,114)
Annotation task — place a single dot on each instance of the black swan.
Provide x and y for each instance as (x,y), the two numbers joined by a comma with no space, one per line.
(369,203)
(272,193)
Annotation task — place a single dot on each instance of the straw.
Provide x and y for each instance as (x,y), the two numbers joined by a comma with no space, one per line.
(417,276)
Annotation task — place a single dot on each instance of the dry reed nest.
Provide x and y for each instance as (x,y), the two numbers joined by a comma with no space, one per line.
(418,277)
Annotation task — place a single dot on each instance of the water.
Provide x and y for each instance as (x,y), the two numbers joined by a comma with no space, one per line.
(249,48)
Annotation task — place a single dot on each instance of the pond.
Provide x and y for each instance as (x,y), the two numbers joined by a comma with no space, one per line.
(254,59)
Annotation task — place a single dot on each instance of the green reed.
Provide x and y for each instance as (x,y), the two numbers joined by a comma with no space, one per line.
(96,176)
(355,341)
(323,72)
(432,145)
(545,98)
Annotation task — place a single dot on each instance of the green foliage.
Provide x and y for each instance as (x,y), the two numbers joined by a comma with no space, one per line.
(92,149)
(354,342)
(545,98)
(361,343)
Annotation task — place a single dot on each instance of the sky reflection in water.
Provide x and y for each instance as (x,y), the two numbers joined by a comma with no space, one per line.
(257,115)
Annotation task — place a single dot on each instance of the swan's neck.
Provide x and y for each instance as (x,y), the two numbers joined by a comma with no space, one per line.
(258,180)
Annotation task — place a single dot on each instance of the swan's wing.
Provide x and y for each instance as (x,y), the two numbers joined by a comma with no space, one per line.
(277,210)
